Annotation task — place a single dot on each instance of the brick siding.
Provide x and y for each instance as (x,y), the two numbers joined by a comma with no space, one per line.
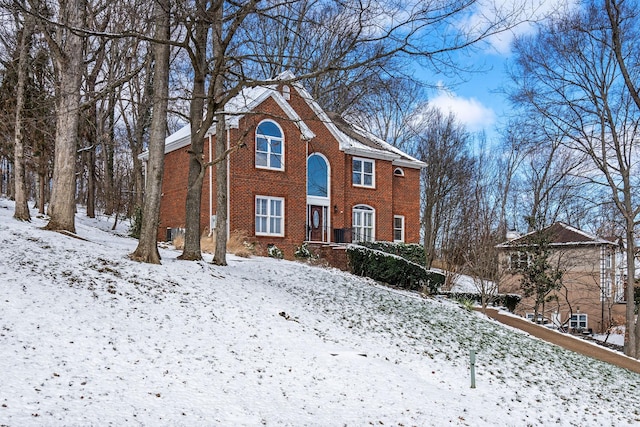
(391,196)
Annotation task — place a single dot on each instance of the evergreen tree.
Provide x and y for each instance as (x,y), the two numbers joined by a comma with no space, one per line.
(539,276)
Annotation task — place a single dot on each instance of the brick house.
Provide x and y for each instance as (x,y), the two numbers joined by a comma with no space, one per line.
(593,284)
(302,175)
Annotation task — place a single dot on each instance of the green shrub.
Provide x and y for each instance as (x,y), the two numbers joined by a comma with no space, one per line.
(392,269)
(412,252)
(303,252)
(467,304)
(274,252)
(509,301)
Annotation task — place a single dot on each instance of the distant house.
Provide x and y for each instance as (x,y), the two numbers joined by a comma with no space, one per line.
(304,175)
(593,286)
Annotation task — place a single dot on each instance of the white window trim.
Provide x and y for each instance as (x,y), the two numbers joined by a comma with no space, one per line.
(269,139)
(519,254)
(541,319)
(269,199)
(362,209)
(577,321)
(319,200)
(401,229)
(373,172)
(398,172)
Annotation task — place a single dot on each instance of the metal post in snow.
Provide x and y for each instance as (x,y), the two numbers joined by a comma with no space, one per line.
(472,363)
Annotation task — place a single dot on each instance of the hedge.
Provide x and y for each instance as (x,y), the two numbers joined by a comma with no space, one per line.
(510,301)
(412,251)
(393,270)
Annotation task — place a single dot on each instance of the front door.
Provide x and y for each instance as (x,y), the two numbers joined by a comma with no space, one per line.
(316,223)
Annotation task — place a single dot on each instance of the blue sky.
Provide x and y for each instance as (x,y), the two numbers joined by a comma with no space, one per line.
(478,102)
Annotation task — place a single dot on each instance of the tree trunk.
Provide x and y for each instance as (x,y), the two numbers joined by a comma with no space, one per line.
(614,11)
(192,250)
(147,250)
(429,231)
(21,208)
(631,338)
(220,256)
(91,182)
(69,61)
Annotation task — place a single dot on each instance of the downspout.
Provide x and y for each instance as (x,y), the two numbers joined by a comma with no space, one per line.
(307,233)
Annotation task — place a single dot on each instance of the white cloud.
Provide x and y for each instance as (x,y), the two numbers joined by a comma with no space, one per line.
(469,111)
(488,12)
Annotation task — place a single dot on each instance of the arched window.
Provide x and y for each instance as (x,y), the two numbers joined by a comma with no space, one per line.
(269,146)
(363,223)
(398,172)
(317,176)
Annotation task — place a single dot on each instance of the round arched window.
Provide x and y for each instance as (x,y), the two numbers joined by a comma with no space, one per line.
(317,176)
(269,146)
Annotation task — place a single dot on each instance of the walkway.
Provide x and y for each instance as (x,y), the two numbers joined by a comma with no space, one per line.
(566,341)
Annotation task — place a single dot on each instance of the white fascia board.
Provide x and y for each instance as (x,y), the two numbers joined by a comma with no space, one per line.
(371,154)
(406,163)
(343,144)
(307,133)
(179,139)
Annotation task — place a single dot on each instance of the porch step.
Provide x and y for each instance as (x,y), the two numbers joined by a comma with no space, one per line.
(335,254)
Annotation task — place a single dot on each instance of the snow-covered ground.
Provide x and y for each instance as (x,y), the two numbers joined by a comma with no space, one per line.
(88,337)
(465,284)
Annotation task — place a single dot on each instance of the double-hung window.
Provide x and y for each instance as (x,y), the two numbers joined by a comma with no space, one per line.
(364,171)
(269,216)
(578,321)
(269,146)
(518,260)
(363,223)
(398,228)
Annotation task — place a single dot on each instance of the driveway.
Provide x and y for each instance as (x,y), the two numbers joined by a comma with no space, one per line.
(566,341)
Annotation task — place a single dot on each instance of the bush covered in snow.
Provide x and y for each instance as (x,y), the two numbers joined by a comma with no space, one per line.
(393,270)
(303,252)
(274,252)
(412,251)
(509,301)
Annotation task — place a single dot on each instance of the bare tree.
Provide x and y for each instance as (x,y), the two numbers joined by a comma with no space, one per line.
(147,250)
(623,15)
(569,73)
(24,46)
(66,48)
(388,110)
(548,178)
(441,142)
(484,233)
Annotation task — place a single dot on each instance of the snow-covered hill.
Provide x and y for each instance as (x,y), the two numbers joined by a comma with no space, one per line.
(88,337)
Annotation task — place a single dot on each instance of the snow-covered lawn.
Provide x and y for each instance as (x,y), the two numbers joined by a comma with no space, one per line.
(88,337)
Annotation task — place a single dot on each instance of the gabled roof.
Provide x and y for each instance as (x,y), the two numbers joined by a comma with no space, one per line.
(559,234)
(351,139)
(355,140)
(358,141)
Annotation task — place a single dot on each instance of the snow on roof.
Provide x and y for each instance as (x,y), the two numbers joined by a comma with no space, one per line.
(560,234)
(363,142)
(352,139)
